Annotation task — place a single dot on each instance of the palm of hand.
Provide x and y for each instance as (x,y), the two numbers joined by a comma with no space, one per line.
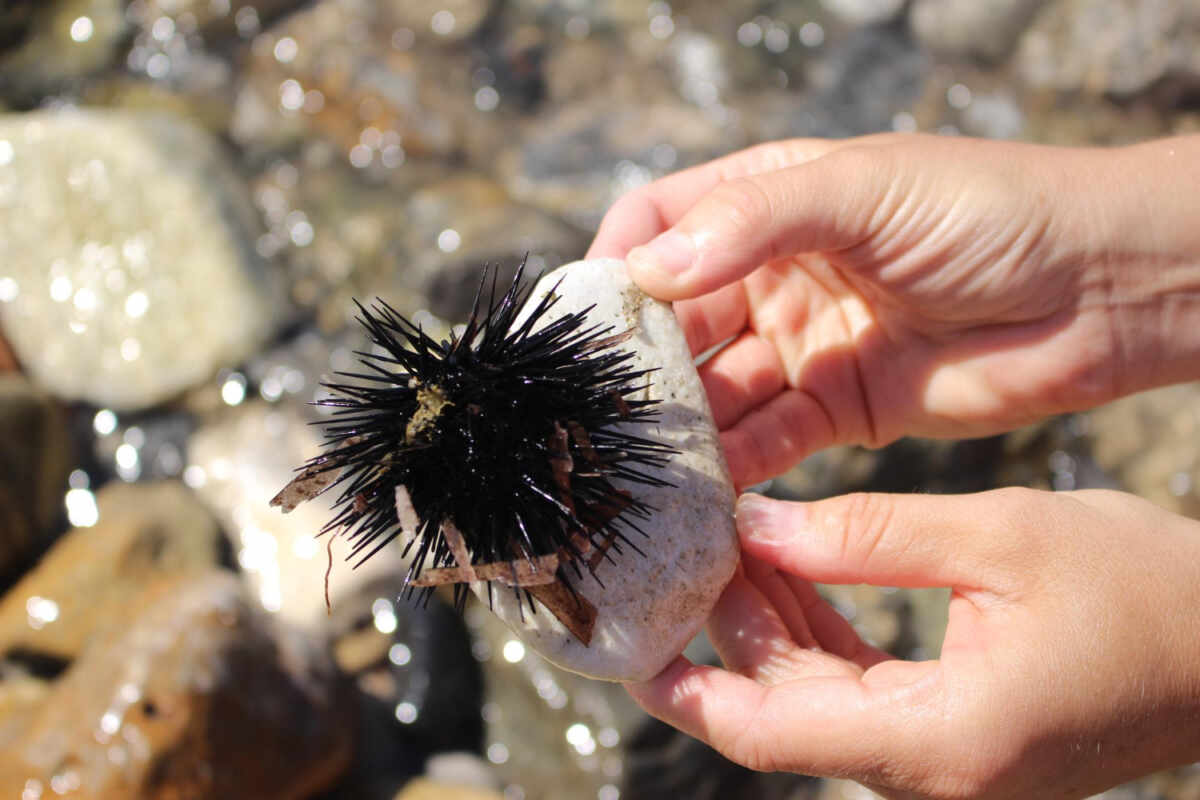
(1042,665)
(937,322)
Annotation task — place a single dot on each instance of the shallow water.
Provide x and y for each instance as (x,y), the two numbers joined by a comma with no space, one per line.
(183,301)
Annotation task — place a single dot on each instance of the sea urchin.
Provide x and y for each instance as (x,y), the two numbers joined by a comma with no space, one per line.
(493,452)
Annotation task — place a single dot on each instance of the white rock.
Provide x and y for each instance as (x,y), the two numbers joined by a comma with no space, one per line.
(864,12)
(127,272)
(237,464)
(650,606)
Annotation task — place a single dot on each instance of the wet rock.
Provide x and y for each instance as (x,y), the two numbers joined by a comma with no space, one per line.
(347,72)
(146,447)
(864,12)
(576,68)
(89,580)
(8,359)
(21,694)
(965,29)
(340,234)
(242,18)
(576,162)
(419,685)
(194,695)
(34,464)
(666,763)
(238,463)
(1182,783)
(605,15)
(1111,46)
(429,789)
(441,20)
(903,466)
(1150,443)
(55,45)
(836,789)
(550,733)
(994,115)
(460,769)
(458,225)
(127,265)
(858,86)
(15,22)
(210,108)
(651,603)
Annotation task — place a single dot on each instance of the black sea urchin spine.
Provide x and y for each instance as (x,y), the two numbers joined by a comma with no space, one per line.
(511,433)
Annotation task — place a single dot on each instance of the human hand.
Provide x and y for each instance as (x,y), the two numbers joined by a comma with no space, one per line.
(1071,661)
(902,284)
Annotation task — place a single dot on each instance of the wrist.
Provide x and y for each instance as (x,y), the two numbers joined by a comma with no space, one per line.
(1145,246)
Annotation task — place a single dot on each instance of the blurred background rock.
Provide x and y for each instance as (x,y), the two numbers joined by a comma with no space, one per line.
(192,191)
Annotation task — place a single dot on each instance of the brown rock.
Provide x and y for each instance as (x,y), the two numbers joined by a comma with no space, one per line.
(8,359)
(1150,443)
(440,20)
(1110,46)
(283,564)
(425,789)
(91,578)
(34,464)
(417,99)
(485,226)
(198,696)
(579,159)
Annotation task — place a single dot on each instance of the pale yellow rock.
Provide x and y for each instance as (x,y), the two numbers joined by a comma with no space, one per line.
(425,789)
(650,606)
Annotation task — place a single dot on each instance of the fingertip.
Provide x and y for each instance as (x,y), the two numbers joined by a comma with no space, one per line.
(651,694)
(769,529)
(633,220)
(659,267)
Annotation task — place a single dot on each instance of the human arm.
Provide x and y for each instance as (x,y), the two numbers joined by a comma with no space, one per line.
(898,284)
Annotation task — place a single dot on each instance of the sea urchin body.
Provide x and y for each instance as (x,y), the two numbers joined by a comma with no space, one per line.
(493,453)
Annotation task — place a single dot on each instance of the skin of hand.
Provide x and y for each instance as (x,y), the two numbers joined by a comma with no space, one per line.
(907,284)
(1071,660)
(865,289)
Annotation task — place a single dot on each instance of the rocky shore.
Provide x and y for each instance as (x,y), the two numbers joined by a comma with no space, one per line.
(191,194)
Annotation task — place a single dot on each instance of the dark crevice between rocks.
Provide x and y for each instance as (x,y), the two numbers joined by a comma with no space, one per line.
(38,665)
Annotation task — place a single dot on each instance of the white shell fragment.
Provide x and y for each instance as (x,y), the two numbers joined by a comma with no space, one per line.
(650,606)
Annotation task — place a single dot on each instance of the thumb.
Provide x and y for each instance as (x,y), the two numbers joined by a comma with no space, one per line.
(894,539)
(824,204)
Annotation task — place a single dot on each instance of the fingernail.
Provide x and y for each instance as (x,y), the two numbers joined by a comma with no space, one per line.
(760,519)
(671,252)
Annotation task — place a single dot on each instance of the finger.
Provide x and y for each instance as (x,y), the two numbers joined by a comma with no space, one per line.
(889,539)
(707,321)
(772,438)
(831,630)
(769,582)
(642,214)
(808,617)
(741,377)
(817,726)
(825,204)
(634,219)
(752,639)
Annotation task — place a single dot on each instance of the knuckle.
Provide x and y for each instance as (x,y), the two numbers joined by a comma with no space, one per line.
(751,756)
(863,520)
(626,205)
(1018,512)
(742,206)
(750,750)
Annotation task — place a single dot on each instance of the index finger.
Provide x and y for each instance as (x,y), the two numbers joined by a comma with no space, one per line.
(643,213)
